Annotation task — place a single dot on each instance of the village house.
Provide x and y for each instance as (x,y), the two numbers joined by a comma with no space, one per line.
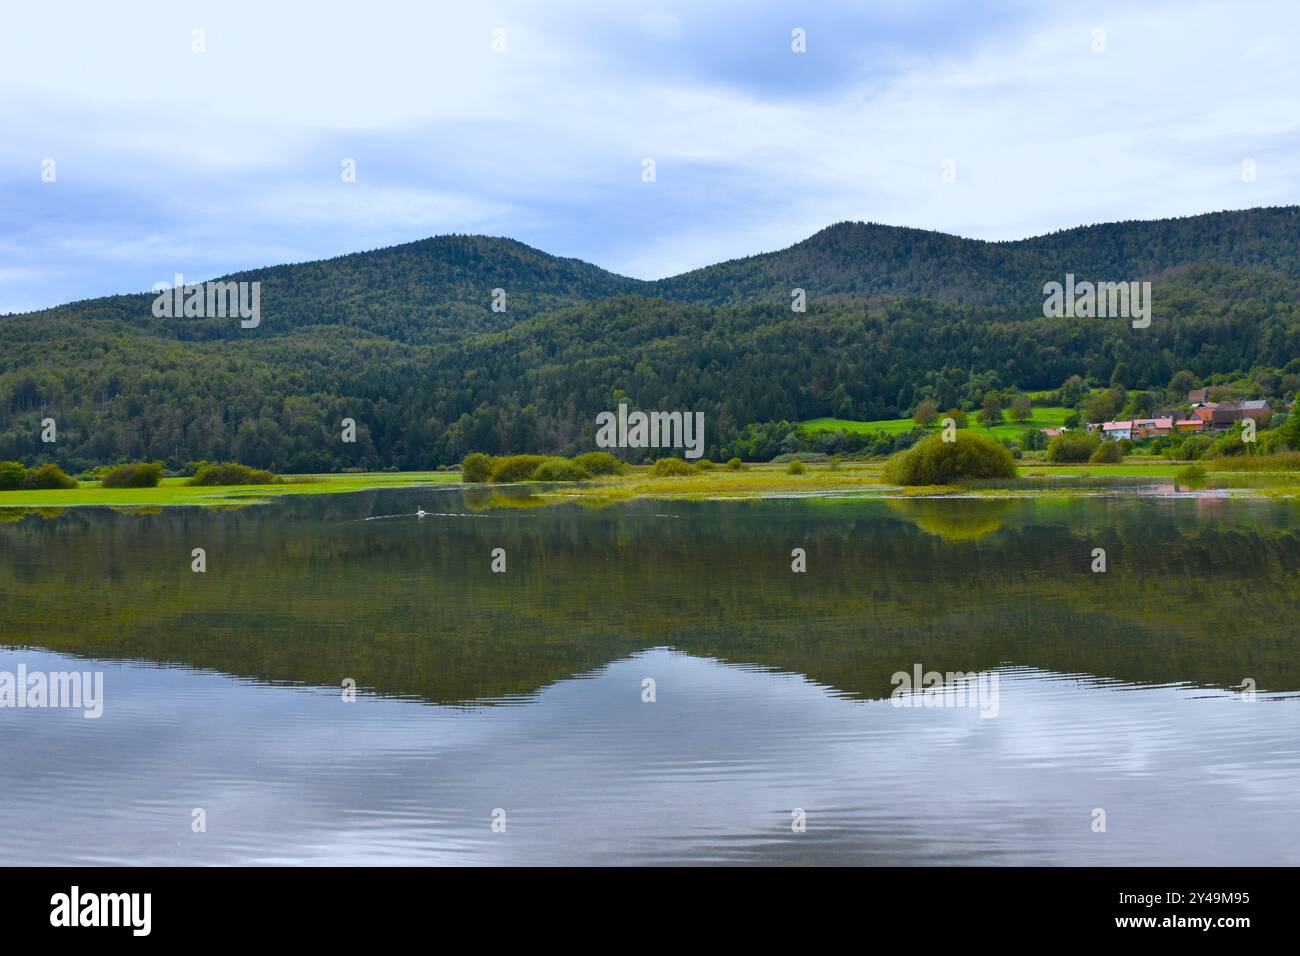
(1140,429)
(1152,427)
(1117,431)
(1207,415)
(1227,414)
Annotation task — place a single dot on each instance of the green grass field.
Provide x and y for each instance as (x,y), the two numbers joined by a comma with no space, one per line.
(1047,417)
(174,491)
(752,481)
(1154,468)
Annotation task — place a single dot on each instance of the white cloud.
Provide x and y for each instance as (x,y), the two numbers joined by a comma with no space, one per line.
(238,149)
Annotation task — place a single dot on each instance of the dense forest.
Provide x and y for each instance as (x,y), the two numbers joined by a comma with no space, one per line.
(405,342)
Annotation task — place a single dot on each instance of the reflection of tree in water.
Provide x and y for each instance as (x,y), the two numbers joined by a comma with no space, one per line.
(954,519)
(523,497)
(307,590)
(485,498)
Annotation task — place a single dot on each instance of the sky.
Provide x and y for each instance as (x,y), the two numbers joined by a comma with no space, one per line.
(127,155)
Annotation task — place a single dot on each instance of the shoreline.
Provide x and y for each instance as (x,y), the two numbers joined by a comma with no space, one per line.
(754,482)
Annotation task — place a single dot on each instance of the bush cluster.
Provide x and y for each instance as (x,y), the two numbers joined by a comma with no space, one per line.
(559,469)
(671,468)
(1107,453)
(230,473)
(933,461)
(478,467)
(143,475)
(598,463)
(13,476)
(1072,446)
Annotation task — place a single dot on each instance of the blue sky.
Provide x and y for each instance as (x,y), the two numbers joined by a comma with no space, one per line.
(168,160)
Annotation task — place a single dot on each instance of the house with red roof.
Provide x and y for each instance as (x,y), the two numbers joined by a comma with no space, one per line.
(1152,427)
(1117,430)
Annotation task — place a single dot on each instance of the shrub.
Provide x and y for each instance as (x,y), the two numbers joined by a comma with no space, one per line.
(477,467)
(1229,444)
(559,469)
(1195,447)
(1107,453)
(12,475)
(934,461)
(142,475)
(1271,441)
(231,473)
(1072,446)
(1193,476)
(515,467)
(796,467)
(704,465)
(734,464)
(1290,429)
(600,463)
(48,476)
(671,468)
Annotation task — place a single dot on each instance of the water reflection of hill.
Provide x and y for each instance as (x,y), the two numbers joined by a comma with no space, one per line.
(301,590)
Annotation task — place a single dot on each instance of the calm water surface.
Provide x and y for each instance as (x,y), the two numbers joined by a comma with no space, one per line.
(523,691)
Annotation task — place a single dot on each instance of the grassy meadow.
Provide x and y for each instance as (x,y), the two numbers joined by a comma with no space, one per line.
(1035,479)
(175,491)
(1045,417)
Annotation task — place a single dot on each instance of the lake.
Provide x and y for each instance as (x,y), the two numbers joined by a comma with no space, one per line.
(650,682)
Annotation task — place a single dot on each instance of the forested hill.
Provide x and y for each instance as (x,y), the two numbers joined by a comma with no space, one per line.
(441,288)
(426,291)
(404,341)
(867,259)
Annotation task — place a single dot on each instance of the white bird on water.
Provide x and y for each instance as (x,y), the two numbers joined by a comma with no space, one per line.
(421,513)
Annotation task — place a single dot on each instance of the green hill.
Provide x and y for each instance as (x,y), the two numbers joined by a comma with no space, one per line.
(855,259)
(436,289)
(404,341)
